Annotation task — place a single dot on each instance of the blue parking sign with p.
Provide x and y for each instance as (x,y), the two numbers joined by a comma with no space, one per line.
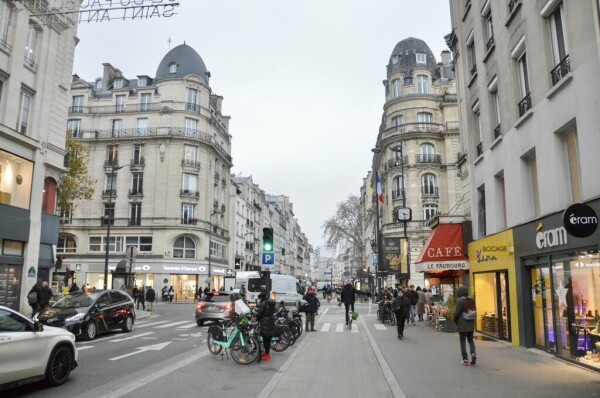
(268,258)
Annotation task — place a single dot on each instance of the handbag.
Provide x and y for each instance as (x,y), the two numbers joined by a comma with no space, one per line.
(354,315)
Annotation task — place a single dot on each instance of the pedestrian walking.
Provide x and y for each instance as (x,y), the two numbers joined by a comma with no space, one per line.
(312,309)
(420,303)
(265,315)
(199,294)
(163,293)
(171,293)
(413,297)
(349,297)
(33,297)
(401,307)
(45,295)
(141,298)
(150,297)
(74,288)
(428,300)
(134,293)
(465,326)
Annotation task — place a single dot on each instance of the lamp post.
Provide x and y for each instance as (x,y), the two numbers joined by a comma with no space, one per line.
(400,150)
(210,227)
(107,217)
(378,242)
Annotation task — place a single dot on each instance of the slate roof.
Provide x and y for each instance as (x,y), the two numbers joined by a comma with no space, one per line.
(405,50)
(188,62)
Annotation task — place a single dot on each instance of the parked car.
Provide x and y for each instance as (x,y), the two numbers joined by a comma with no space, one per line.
(30,351)
(216,306)
(87,314)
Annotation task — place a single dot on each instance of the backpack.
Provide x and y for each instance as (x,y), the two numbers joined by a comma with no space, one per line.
(32,298)
(469,311)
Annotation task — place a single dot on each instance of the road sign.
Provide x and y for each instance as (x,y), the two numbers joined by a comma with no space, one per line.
(327,273)
(268,258)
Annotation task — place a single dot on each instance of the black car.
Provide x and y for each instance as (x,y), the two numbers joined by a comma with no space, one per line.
(86,314)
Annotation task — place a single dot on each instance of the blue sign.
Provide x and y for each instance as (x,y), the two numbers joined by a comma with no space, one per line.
(268,258)
(375,261)
(327,273)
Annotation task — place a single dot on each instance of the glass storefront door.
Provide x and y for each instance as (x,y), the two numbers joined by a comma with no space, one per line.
(185,287)
(493,312)
(543,322)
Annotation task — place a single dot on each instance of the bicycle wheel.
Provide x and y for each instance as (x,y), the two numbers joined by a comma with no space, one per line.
(380,317)
(392,318)
(295,331)
(212,347)
(282,342)
(247,353)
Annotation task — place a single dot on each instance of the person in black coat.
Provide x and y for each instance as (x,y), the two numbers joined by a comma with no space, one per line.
(265,315)
(312,309)
(401,307)
(349,297)
(150,297)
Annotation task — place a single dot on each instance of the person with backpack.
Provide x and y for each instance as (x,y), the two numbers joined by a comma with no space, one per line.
(465,314)
(401,307)
(33,297)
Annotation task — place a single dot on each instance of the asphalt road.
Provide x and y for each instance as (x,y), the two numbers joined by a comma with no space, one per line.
(165,356)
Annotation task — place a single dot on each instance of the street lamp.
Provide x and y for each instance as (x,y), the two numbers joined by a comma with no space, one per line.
(210,227)
(378,242)
(108,217)
(407,214)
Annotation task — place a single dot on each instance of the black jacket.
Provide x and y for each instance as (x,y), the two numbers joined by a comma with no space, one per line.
(265,314)
(313,303)
(401,306)
(348,294)
(150,295)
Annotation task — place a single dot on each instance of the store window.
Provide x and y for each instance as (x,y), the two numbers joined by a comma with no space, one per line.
(66,244)
(12,248)
(184,247)
(15,180)
(491,292)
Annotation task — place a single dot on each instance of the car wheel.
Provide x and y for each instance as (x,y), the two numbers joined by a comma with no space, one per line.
(90,331)
(128,325)
(59,365)
(199,322)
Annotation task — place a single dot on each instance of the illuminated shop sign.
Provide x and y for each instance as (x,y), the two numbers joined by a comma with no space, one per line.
(580,220)
(550,238)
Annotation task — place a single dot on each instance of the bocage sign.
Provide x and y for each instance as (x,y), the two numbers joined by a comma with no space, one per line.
(580,220)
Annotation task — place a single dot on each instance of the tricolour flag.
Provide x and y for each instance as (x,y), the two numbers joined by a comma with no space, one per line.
(379,188)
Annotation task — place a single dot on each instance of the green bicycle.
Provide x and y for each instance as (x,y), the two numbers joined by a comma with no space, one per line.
(242,345)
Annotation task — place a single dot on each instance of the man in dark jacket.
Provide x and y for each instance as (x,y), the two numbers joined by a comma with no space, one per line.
(45,295)
(312,309)
(265,314)
(401,307)
(348,297)
(150,297)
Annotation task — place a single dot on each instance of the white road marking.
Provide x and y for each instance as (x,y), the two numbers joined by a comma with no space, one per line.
(339,328)
(191,325)
(354,327)
(379,326)
(325,327)
(145,325)
(131,337)
(170,325)
(154,347)
(84,347)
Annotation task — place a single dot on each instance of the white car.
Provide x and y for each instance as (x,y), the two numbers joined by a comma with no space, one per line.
(30,351)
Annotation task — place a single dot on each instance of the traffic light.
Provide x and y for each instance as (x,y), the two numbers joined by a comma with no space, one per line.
(267,245)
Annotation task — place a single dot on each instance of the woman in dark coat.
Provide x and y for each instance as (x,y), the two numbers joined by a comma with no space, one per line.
(265,314)
(465,327)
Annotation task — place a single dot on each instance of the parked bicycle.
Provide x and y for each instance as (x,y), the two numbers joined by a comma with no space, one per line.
(385,313)
(242,344)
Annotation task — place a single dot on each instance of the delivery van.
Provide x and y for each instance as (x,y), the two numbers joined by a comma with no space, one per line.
(283,287)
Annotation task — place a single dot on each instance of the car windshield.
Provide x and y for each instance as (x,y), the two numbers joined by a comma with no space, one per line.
(76,300)
(219,298)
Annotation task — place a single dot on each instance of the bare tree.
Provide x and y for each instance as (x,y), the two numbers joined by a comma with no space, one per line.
(75,185)
(345,229)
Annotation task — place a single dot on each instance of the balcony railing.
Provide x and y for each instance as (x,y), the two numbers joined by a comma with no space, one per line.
(136,192)
(109,192)
(430,192)
(423,127)
(525,104)
(561,70)
(189,193)
(135,222)
(450,98)
(133,108)
(189,221)
(111,162)
(498,131)
(137,162)
(408,81)
(429,158)
(190,163)
(156,132)
(398,193)
(479,149)
(397,162)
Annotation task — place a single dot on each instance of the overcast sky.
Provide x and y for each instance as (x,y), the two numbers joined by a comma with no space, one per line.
(301,81)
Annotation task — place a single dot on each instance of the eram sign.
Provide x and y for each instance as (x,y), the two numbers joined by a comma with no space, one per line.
(580,220)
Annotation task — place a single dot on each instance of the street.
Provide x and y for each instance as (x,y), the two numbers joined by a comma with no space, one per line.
(166,355)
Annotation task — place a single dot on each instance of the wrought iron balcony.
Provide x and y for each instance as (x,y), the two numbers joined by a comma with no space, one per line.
(111,162)
(191,107)
(139,107)
(109,192)
(479,149)
(398,193)
(429,158)
(498,131)
(525,104)
(397,162)
(136,192)
(135,222)
(561,70)
(189,193)
(430,192)
(138,162)
(423,127)
(190,163)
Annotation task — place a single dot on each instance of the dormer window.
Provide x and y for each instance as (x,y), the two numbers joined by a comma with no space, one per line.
(98,84)
(173,68)
(421,58)
(142,82)
(118,83)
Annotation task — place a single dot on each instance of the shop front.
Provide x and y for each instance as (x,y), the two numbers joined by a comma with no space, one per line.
(560,265)
(494,281)
(442,259)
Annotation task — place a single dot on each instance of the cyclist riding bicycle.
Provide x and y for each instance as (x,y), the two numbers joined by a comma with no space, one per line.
(348,297)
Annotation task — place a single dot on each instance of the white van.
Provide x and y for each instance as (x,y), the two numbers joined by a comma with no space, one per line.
(283,287)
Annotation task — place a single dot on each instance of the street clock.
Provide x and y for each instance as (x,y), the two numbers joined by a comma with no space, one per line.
(404,214)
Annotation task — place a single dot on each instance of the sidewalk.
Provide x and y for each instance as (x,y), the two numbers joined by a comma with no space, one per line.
(426,363)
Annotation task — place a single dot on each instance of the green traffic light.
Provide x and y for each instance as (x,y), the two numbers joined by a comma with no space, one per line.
(268,247)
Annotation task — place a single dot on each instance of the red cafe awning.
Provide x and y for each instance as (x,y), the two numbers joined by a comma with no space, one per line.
(443,251)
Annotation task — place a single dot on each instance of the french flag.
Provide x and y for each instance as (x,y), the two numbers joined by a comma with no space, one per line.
(379,188)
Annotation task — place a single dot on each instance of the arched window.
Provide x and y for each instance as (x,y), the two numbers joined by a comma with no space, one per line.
(422,84)
(427,149)
(429,211)
(49,198)
(398,192)
(184,247)
(66,244)
(428,185)
(396,88)
(425,119)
